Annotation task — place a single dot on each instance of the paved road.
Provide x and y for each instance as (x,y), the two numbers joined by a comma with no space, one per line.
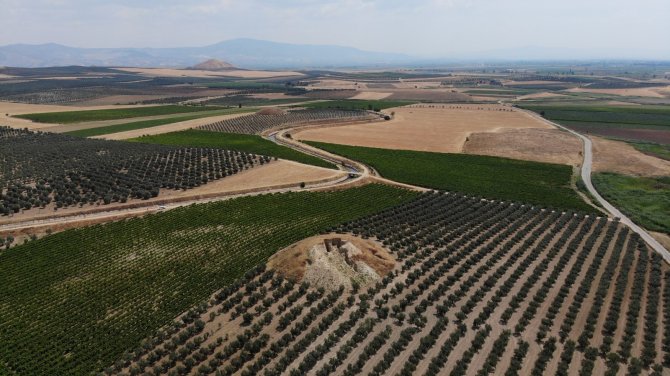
(586,177)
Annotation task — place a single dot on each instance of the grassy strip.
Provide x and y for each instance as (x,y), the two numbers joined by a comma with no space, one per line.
(491,177)
(645,200)
(232,141)
(87,295)
(657,150)
(68,117)
(116,128)
(355,104)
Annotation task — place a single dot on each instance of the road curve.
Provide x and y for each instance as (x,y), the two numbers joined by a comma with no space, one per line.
(586,177)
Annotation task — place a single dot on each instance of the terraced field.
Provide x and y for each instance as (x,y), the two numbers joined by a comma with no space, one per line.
(479,287)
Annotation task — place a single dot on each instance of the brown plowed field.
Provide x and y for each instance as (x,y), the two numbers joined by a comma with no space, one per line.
(437,128)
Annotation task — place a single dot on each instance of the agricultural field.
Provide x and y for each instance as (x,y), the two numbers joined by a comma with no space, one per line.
(474,287)
(112,114)
(356,104)
(646,200)
(88,295)
(425,127)
(656,150)
(44,170)
(638,123)
(491,177)
(232,141)
(277,118)
(124,127)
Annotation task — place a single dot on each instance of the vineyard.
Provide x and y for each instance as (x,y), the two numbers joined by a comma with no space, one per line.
(492,177)
(44,169)
(258,123)
(480,287)
(74,301)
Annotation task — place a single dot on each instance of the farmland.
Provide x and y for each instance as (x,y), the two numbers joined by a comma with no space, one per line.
(259,122)
(639,123)
(40,170)
(355,104)
(98,131)
(95,284)
(645,200)
(112,114)
(231,141)
(491,177)
(478,287)
(425,127)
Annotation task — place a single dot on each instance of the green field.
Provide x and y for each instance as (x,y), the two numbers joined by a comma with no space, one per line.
(355,104)
(153,123)
(657,150)
(232,141)
(490,177)
(73,302)
(645,200)
(629,116)
(69,117)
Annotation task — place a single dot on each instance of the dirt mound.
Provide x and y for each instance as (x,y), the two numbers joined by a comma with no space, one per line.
(272,111)
(214,65)
(333,260)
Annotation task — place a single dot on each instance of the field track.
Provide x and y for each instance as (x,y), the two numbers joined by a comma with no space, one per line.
(586,177)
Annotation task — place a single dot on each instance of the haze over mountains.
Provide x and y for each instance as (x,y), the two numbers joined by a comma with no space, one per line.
(254,53)
(247,53)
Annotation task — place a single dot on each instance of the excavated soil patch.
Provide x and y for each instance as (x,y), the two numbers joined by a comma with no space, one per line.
(333,260)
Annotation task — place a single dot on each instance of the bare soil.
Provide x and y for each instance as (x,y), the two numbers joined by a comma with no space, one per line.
(654,92)
(439,128)
(294,260)
(541,145)
(619,157)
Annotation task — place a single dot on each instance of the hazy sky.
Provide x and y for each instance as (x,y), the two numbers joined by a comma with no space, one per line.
(427,28)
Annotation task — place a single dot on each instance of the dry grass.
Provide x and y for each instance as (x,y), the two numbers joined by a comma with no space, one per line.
(619,157)
(441,129)
(541,145)
(653,92)
(371,95)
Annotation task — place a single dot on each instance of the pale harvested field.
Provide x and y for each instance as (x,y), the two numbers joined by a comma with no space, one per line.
(6,76)
(337,85)
(167,128)
(619,157)
(276,173)
(435,95)
(541,145)
(371,95)
(544,94)
(167,72)
(654,92)
(442,129)
(404,84)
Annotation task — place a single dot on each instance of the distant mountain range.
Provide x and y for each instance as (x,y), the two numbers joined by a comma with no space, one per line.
(245,53)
